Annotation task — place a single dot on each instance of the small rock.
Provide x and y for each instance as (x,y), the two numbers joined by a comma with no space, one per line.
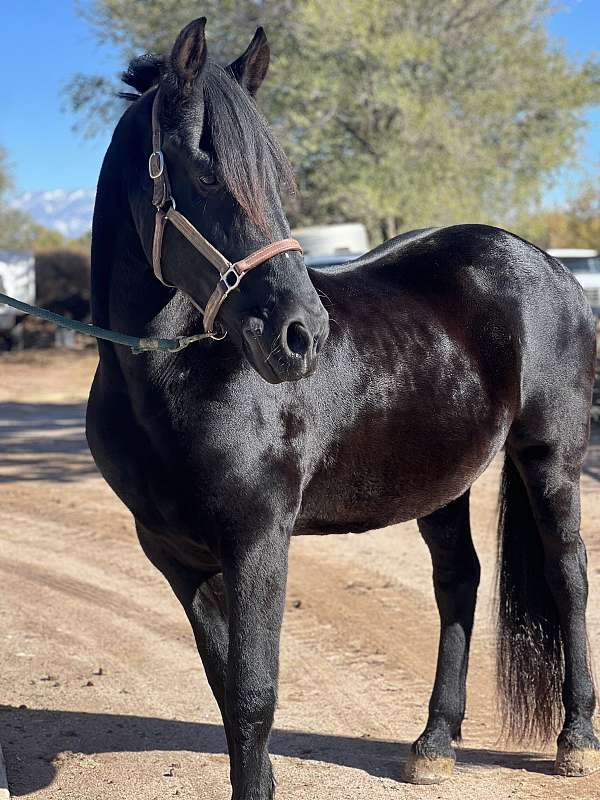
(297,604)
(89,683)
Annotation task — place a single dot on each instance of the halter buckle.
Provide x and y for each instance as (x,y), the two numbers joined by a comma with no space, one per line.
(231,279)
(156,164)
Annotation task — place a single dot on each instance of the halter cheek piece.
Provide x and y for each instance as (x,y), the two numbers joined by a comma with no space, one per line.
(230,275)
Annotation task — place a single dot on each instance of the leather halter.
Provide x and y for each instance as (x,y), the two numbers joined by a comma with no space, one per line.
(230,274)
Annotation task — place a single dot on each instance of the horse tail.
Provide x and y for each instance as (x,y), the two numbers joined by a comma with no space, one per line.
(529,659)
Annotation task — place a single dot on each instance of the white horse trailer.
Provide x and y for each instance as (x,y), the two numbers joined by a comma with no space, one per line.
(349,238)
(17,279)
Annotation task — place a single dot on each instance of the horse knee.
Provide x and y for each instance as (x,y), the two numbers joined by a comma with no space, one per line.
(253,708)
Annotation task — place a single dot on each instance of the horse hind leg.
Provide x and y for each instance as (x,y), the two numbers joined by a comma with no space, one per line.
(544,592)
(447,534)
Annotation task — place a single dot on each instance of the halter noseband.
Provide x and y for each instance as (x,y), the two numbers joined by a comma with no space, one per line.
(230,274)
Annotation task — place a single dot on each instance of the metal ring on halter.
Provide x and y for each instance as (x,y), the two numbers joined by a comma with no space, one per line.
(159,158)
(220,335)
(231,279)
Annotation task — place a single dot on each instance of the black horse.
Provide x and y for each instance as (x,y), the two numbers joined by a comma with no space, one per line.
(446,345)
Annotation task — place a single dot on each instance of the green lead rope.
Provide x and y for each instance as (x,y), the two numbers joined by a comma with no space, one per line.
(135,343)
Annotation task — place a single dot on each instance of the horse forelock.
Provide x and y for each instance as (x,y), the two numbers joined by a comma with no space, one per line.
(251,162)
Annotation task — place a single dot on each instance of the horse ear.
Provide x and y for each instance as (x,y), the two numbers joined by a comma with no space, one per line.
(189,52)
(250,68)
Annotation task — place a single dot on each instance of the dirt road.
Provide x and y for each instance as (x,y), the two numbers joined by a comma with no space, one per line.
(103,692)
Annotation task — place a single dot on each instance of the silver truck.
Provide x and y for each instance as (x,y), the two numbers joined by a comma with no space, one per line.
(585,266)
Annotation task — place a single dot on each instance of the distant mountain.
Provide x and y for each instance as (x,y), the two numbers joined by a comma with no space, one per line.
(69,212)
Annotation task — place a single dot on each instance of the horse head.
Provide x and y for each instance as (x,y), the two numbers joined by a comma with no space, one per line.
(226,175)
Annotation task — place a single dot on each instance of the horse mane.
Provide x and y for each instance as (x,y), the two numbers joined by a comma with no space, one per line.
(248,155)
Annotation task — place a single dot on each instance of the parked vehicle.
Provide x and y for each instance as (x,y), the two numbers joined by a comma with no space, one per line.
(333,240)
(17,279)
(323,262)
(585,266)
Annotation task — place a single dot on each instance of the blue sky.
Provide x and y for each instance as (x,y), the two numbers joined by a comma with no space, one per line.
(43,42)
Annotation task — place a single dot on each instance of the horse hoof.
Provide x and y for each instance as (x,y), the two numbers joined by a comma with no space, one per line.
(576,762)
(424,770)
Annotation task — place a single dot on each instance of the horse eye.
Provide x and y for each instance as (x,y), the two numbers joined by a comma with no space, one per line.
(208,180)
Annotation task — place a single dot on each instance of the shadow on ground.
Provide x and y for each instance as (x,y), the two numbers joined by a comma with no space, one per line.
(32,738)
(43,442)
(46,442)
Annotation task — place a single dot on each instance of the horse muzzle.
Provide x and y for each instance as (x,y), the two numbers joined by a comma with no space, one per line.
(287,352)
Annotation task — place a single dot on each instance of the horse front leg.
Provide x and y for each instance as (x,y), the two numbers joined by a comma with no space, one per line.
(202,596)
(255,575)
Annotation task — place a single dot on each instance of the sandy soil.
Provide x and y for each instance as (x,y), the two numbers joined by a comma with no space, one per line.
(103,692)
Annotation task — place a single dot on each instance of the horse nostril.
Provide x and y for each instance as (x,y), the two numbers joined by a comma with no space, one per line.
(298,339)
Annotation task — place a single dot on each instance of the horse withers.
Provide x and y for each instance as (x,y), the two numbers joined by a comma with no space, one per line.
(446,345)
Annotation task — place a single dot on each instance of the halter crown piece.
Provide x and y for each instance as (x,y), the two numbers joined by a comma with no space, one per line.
(230,274)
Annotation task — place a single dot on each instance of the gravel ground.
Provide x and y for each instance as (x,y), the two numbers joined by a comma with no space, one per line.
(103,692)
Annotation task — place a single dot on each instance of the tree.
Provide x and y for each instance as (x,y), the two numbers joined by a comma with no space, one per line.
(16,229)
(398,113)
(63,282)
(576,225)
(583,229)
(4,176)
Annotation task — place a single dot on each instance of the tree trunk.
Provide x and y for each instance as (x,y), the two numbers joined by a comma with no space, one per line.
(389,227)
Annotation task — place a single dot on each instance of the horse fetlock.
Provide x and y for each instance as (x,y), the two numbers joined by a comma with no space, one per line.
(578,733)
(435,741)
